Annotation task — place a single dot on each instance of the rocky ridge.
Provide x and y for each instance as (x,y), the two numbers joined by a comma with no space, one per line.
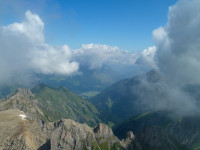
(65,134)
(34,132)
(23,99)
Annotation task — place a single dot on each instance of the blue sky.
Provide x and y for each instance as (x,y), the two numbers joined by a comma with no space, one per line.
(127,24)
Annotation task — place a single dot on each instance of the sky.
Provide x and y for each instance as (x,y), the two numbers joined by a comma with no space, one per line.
(127,24)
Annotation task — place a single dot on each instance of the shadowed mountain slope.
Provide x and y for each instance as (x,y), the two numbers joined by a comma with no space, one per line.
(123,99)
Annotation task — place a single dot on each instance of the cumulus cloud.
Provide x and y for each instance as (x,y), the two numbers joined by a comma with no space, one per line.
(32,28)
(148,57)
(23,49)
(24,52)
(95,55)
(178,43)
(176,56)
(178,60)
(56,60)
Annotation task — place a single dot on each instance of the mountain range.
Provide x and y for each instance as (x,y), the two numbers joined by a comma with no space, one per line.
(131,105)
(32,128)
(87,82)
(56,118)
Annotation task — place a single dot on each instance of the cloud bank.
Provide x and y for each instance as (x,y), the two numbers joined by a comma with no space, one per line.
(95,55)
(178,60)
(178,43)
(23,49)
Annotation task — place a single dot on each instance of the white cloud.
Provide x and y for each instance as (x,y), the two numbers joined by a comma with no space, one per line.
(49,60)
(32,28)
(178,54)
(178,43)
(95,55)
(148,57)
(23,49)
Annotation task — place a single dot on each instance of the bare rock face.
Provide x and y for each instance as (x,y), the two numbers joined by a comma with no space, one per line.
(22,93)
(23,126)
(22,99)
(25,134)
(102,130)
(71,135)
(19,132)
(130,143)
(130,137)
(104,134)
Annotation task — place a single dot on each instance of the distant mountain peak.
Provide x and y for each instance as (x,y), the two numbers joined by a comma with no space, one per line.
(23,92)
(24,100)
(20,93)
(103,130)
(152,76)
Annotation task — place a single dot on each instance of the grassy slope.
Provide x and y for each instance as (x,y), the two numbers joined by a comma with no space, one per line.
(62,103)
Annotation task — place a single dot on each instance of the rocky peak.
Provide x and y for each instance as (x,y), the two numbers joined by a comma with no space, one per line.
(103,130)
(20,94)
(23,93)
(69,124)
(130,135)
(128,143)
(152,76)
(69,134)
(23,99)
(41,134)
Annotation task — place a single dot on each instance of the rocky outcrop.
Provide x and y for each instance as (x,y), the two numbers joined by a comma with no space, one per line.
(22,99)
(103,130)
(129,143)
(24,126)
(21,133)
(25,134)
(18,131)
(71,135)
